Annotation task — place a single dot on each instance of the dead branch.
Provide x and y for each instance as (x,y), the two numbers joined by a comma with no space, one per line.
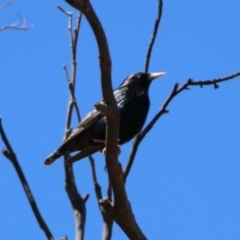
(76,200)
(17,26)
(5,5)
(72,101)
(163,110)
(10,155)
(147,62)
(154,34)
(122,213)
(107,218)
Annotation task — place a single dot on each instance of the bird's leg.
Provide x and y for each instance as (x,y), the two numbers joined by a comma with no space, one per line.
(98,140)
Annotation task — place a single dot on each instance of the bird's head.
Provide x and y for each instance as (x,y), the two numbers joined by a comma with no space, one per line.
(141,79)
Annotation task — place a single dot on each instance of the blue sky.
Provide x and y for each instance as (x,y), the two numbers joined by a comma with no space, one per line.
(186,177)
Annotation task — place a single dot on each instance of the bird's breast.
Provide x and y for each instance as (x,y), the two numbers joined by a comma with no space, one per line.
(133,114)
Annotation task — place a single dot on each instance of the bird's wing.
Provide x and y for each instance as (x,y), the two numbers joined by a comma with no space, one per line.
(79,134)
(91,118)
(82,154)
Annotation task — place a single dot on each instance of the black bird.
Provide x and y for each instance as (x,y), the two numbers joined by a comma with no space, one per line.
(133,102)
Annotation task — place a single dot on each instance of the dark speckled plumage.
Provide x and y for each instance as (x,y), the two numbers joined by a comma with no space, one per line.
(133,102)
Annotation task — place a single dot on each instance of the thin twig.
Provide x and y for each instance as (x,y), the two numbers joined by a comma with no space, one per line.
(163,110)
(16,25)
(72,100)
(77,201)
(9,153)
(138,137)
(155,30)
(97,187)
(6,4)
(69,14)
(107,219)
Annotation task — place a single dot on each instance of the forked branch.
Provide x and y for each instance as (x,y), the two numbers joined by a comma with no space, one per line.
(163,110)
(18,25)
(77,201)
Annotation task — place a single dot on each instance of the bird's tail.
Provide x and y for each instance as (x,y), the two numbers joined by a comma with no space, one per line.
(52,158)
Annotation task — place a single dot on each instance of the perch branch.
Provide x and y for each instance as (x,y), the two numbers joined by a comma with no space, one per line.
(163,110)
(122,212)
(9,153)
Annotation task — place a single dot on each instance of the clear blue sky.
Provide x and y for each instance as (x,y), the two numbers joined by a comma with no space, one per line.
(185,183)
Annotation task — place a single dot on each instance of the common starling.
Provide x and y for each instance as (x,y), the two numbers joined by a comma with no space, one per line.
(89,137)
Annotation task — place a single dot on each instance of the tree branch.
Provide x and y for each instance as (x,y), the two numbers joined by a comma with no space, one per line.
(77,201)
(16,25)
(9,154)
(97,187)
(122,212)
(138,137)
(107,218)
(163,110)
(5,5)
(155,30)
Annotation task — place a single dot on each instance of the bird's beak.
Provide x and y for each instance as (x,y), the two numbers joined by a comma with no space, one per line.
(155,75)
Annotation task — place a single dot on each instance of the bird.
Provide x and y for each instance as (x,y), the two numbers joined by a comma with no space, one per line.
(89,137)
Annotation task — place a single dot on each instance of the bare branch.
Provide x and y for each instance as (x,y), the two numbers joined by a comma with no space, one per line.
(6,4)
(72,100)
(176,90)
(9,153)
(107,218)
(122,213)
(155,30)
(138,137)
(97,187)
(69,14)
(77,201)
(17,26)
